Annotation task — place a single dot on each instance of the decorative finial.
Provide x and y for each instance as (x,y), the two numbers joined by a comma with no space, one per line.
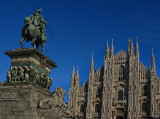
(77,70)
(152,53)
(92,64)
(107,43)
(128,40)
(152,61)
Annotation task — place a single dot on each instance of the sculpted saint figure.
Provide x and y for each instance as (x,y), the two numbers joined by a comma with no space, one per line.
(34,30)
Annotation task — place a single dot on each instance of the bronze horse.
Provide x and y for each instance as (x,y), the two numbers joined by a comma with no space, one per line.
(34,34)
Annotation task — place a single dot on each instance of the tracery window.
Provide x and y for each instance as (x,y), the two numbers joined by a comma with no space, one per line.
(82,108)
(120,95)
(121,73)
(97,108)
(144,106)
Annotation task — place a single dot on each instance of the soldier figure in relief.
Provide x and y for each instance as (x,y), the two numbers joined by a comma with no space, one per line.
(26,75)
(8,76)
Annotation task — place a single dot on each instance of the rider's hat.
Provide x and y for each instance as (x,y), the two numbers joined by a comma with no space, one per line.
(39,10)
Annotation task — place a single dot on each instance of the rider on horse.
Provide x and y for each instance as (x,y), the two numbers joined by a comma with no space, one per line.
(34,30)
(37,20)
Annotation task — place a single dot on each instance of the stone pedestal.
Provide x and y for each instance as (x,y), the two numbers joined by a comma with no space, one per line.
(29,66)
(27,83)
(21,102)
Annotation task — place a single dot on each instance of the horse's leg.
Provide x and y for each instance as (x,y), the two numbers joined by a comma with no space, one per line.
(33,41)
(42,49)
(21,41)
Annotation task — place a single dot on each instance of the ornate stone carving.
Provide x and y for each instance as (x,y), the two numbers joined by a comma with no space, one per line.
(55,103)
(19,74)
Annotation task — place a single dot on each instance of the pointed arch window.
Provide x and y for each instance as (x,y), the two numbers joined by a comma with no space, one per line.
(120,95)
(82,108)
(121,73)
(144,91)
(144,106)
(97,108)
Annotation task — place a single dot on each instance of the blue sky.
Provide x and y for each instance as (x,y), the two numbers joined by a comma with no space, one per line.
(81,27)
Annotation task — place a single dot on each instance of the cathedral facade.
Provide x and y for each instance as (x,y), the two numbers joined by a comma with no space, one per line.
(123,88)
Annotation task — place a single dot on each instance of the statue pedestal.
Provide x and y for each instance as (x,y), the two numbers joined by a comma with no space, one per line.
(27,83)
(29,66)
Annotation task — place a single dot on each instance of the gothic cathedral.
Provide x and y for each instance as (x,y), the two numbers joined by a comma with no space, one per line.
(122,89)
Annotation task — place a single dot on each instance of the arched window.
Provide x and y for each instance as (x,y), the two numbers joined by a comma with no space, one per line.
(121,73)
(82,108)
(120,95)
(144,91)
(97,108)
(144,107)
(119,117)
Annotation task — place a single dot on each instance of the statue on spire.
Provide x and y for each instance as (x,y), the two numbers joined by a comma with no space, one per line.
(34,30)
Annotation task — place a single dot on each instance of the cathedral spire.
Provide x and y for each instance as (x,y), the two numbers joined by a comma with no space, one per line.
(77,71)
(92,64)
(107,50)
(131,47)
(152,67)
(112,50)
(77,78)
(73,77)
(137,49)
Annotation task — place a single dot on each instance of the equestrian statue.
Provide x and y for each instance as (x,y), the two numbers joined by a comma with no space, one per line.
(34,30)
